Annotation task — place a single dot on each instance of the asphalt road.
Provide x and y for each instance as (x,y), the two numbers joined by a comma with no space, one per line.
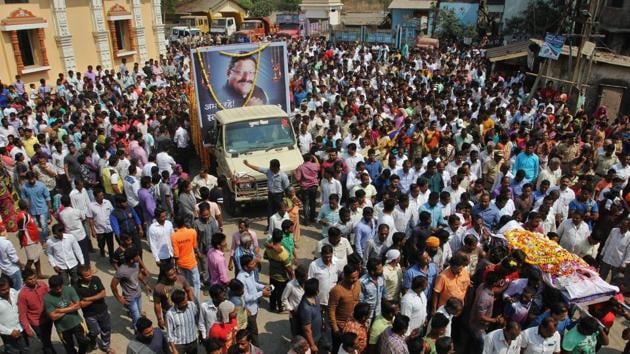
(274,328)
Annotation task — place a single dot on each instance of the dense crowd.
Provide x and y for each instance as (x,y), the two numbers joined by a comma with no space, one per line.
(416,163)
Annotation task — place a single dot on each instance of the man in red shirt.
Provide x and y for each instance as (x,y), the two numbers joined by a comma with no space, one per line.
(307,175)
(33,317)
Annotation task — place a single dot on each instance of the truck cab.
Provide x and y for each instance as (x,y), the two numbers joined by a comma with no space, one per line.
(256,134)
(288,25)
(253,29)
(180,32)
(225,26)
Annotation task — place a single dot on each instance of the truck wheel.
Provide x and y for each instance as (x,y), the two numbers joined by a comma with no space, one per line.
(231,206)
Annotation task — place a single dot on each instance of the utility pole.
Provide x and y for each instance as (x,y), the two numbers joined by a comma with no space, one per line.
(586,35)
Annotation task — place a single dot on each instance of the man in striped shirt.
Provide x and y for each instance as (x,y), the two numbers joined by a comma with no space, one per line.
(181,323)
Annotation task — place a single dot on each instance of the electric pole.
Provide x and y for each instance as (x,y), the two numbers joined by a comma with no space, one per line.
(587,30)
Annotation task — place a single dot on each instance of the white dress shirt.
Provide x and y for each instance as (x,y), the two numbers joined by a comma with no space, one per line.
(414,306)
(495,343)
(80,201)
(292,295)
(572,236)
(327,276)
(616,250)
(340,252)
(533,343)
(181,138)
(65,253)
(71,219)
(328,187)
(160,240)
(100,214)
(9,314)
(165,162)
(8,257)
(207,317)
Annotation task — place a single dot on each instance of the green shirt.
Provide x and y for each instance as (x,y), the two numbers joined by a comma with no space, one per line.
(66,298)
(577,343)
(289,245)
(278,263)
(378,327)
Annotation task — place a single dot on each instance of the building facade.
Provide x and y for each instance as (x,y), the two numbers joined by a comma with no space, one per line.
(41,38)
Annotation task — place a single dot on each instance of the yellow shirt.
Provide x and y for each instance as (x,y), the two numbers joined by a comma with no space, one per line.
(29,145)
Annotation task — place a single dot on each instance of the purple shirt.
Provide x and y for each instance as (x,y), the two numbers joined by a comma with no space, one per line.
(307,174)
(217,268)
(147,203)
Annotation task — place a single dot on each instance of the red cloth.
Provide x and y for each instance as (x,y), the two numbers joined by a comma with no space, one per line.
(31,305)
(225,332)
(30,228)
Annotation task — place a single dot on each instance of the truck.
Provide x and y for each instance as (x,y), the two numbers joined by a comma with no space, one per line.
(256,134)
(178,33)
(288,24)
(199,22)
(253,29)
(226,23)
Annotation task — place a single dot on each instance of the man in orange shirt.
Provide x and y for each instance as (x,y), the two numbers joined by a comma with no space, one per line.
(452,282)
(185,252)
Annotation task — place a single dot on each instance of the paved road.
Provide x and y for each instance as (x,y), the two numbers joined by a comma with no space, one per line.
(273,328)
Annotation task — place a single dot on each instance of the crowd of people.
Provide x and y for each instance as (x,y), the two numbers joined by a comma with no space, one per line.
(416,162)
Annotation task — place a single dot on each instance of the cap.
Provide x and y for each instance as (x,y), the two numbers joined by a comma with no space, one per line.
(498,153)
(433,242)
(391,255)
(224,310)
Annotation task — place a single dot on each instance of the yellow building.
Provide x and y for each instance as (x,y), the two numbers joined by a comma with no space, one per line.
(42,38)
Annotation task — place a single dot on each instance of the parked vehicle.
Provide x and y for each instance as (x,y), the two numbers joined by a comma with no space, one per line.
(288,24)
(253,29)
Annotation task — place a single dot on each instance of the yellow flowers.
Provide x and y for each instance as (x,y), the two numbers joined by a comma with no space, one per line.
(541,251)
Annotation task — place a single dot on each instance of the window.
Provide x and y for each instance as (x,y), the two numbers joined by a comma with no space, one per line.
(26,49)
(615,3)
(16,1)
(122,35)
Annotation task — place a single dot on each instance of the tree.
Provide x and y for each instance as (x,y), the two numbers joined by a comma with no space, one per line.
(288,5)
(539,18)
(450,28)
(261,8)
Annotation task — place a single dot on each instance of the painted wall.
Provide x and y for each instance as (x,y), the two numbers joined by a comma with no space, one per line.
(79,18)
(466,12)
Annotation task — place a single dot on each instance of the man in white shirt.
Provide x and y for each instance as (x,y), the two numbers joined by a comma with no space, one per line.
(542,339)
(326,271)
(72,219)
(182,141)
(203,179)
(573,233)
(9,260)
(291,297)
(165,162)
(10,328)
(414,303)
(64,254)
(208,310)
(99,212)
(503,340)
(159,234)
(341,246)
(305,139)
(616,251)
(131,186)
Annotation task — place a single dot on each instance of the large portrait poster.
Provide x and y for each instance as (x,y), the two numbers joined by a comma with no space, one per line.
(233,76)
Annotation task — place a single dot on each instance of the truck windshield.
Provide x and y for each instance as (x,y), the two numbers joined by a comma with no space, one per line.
(220,22)
(288,26)
(248,25)
(259,134)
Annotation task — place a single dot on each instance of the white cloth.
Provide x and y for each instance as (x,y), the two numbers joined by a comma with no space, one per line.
(414,306)
(165,162)
(207,317)
(329,187)
(616,251)
(327,276)
(495,343)
(131,186)
(65,253)
(9,314)
(340,252)
(71,219)
(533,343)
(100,214)
(181,138)
(447,331)
(8,257)
(571,236)
(292,295)
(80,200)
(160,240)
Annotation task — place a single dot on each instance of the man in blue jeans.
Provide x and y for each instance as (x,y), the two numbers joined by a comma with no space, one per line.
(129,277)
(40,205)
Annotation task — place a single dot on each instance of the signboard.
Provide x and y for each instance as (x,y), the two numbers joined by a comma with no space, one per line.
(552,47)
(233,76)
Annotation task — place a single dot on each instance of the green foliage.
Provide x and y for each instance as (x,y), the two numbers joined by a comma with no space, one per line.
(449,27)
(246,4)
(261,8)
(539,18)
(288,5)
(168,6)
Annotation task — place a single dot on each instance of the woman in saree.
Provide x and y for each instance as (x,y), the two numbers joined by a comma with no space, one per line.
(7,201)
(294,204)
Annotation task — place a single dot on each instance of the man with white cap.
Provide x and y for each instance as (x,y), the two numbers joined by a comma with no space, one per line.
(226,325)
(393,274)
